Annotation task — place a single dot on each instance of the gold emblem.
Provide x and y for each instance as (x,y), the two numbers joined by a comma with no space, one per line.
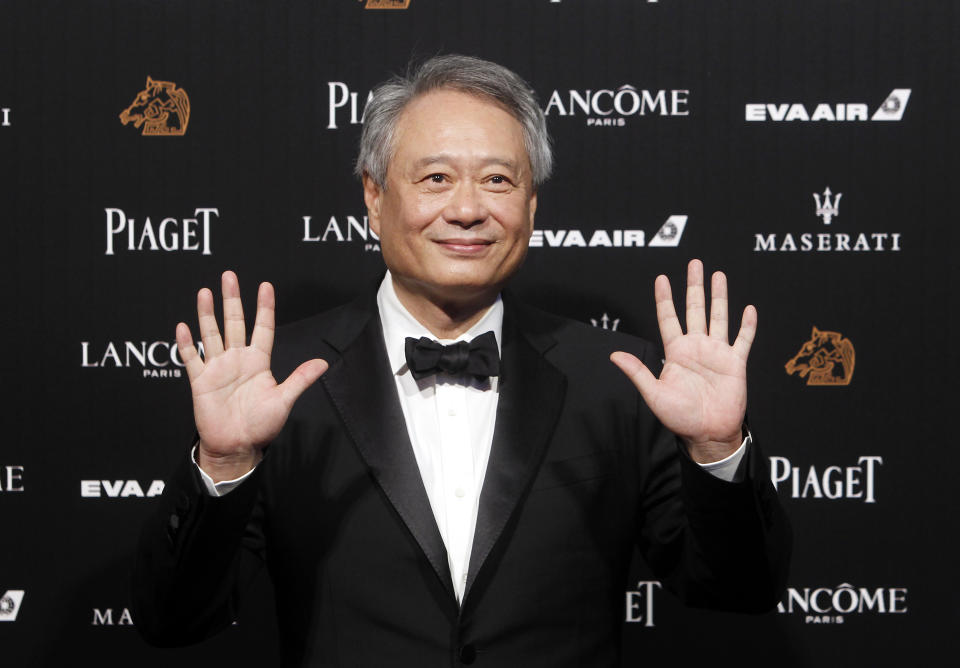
(387,4)
(826,359)
(161,109)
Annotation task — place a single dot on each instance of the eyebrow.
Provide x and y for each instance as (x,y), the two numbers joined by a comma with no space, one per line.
(446,158)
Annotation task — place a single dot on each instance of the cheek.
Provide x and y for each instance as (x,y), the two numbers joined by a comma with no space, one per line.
(420,212)
(514,216)
(401,221)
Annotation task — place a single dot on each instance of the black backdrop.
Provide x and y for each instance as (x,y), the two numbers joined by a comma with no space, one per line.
(93,400)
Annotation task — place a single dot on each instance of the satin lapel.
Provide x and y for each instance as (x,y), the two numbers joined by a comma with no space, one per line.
(531,396)
(361,387)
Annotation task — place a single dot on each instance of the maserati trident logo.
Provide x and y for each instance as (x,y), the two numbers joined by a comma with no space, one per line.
(606,322)
(827,210)
(161,109)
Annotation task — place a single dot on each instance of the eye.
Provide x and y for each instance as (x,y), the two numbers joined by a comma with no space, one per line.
(499,180)
(436,178)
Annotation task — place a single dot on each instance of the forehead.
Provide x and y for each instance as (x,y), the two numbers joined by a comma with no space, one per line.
(459,126)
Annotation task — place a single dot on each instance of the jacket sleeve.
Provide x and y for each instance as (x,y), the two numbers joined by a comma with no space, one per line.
(716,544)
(196,555)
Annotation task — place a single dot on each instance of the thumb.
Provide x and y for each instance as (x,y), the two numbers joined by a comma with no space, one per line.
(636,371)
(302,377)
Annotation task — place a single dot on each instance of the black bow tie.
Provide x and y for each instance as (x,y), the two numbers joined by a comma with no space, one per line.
(480,357)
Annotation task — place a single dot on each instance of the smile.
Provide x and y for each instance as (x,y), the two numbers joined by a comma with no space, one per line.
(464,246)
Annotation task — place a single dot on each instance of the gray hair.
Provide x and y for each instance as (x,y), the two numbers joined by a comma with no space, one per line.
(462,73)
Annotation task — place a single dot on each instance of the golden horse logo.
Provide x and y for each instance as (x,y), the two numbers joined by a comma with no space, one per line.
(161,109)
(826,359)
(387,4)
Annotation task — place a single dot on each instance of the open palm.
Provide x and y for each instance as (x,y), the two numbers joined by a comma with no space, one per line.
(238,406)
(701,394)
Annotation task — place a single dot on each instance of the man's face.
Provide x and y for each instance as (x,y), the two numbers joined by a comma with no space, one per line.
(456,215)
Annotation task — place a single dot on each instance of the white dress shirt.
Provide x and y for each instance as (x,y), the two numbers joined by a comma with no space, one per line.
(450,422)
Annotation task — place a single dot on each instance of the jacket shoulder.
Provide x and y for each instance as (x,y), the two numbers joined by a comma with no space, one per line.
(323,335)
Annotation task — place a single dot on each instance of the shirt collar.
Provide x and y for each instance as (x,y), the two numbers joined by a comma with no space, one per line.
(398,324)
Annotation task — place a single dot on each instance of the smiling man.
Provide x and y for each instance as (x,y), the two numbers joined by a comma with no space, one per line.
(468,480)
(454,212)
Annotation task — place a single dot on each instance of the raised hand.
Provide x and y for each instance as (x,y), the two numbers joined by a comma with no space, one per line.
(701,394)
(237,404)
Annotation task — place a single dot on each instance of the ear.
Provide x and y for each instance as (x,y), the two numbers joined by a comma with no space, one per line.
(815,332)
(372,194)
(533,209)
(149,81)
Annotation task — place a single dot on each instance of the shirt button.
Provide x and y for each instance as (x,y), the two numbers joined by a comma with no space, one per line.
(459,492)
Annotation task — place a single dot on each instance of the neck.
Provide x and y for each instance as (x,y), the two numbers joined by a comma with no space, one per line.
(446,317)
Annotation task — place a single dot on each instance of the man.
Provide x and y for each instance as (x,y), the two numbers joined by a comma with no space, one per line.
(435,506)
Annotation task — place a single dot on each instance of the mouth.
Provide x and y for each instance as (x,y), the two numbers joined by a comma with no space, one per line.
(464,246)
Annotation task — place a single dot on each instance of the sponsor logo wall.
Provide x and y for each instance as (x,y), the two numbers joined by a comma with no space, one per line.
(812,169)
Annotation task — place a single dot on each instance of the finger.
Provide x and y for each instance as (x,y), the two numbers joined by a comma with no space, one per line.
(234,330)
(718,306)
(302,377)
(263,327)
(637,372)
(748,329)
(696,313)
(188,352)
(209,331)
(666,314)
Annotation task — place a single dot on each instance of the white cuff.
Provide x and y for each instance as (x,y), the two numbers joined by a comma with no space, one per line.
(726,468)
(223,487)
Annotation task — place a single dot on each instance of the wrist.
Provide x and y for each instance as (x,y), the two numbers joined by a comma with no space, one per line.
(707,452)
(229,466)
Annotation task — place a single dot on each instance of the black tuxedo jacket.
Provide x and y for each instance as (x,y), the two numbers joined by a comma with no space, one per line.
(580,472)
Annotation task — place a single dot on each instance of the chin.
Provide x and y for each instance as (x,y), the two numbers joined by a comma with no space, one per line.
(465,283)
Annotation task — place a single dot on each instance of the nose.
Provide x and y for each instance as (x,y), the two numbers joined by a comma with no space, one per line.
(466,207)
